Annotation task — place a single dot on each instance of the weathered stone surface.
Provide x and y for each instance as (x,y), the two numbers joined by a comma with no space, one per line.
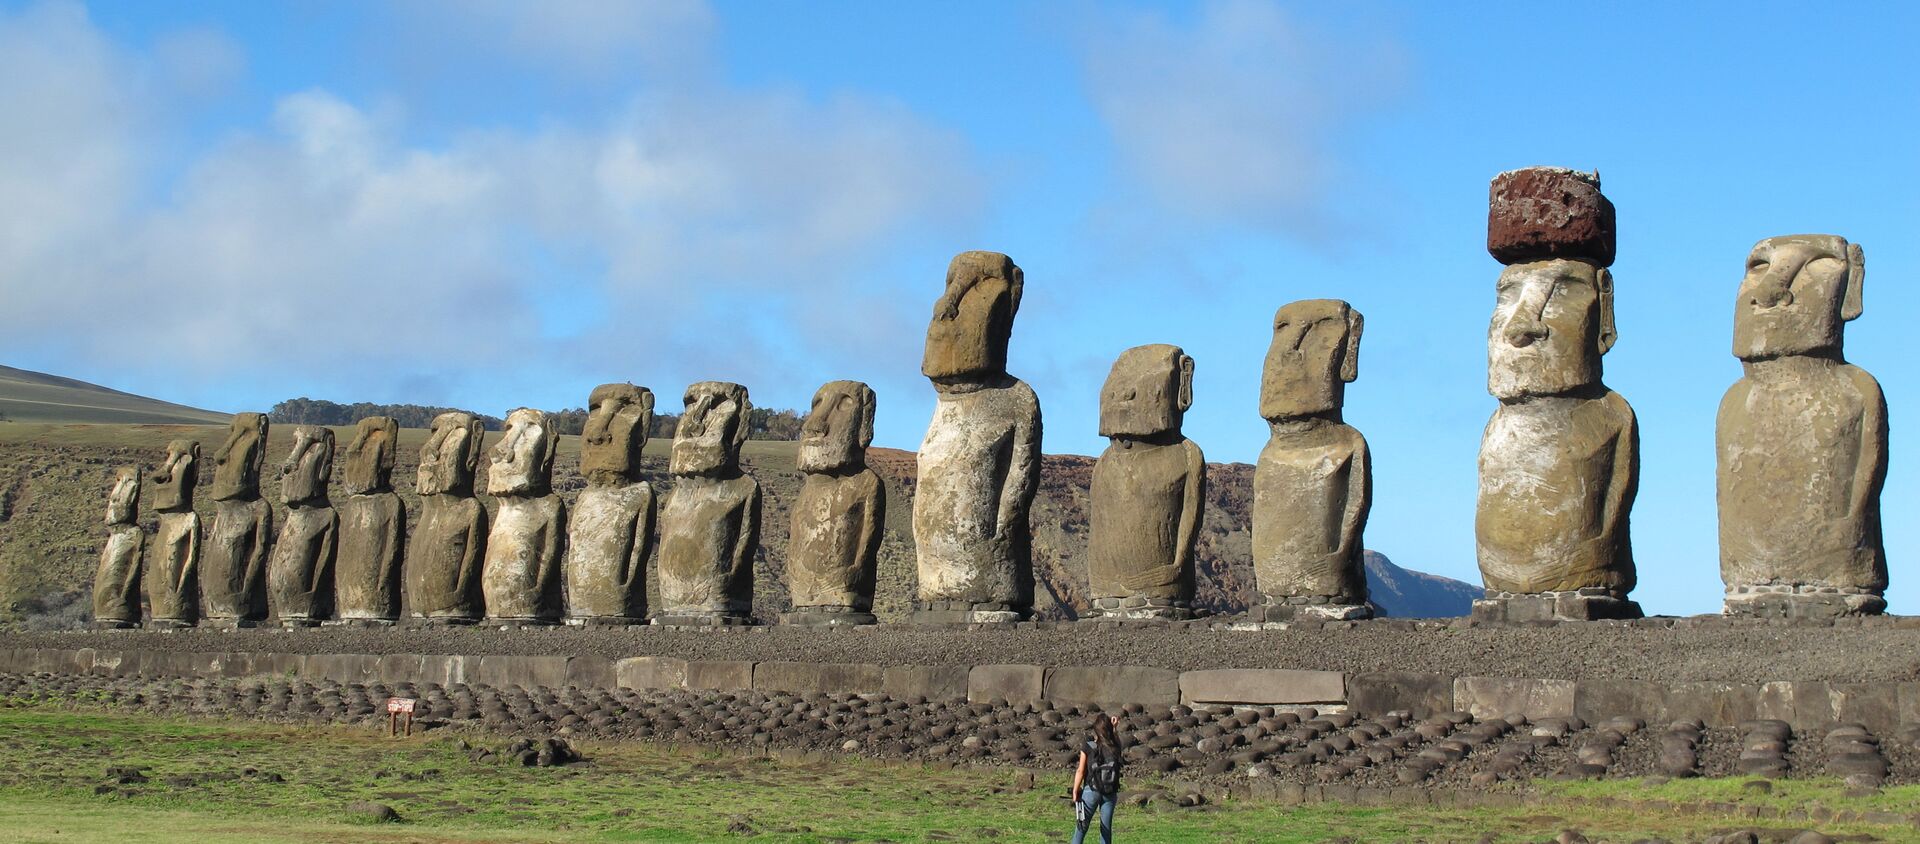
(521,574)
(832,551)
(300,568)
(445,551)
(1148,489)
(372,528)
(1112,685)
(527,672)
(986,683)
(830,677)
(171,576)
(1262,686)
(1874,705)
(1538,213)
(651,672)
(610,529)
(233,576)
(979,464)
(1714,703)
(724,675)
(1498,697)
(1559,461)
(116,582)
(592,672)
(1313,486)
(1802,440)
(710,523)
(933,682)
(1417,693)
(1597,700)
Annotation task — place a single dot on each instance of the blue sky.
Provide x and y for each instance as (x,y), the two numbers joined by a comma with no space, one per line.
(491,204)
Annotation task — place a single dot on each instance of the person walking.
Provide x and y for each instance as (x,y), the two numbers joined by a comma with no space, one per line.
(1096,781)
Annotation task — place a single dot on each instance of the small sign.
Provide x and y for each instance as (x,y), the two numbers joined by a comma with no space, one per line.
(400,705)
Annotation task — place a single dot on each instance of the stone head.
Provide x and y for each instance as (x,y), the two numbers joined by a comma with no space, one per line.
(712,429)
(371,454)
(973,319)
(309,466)
(1147,392)
(1799,292)
(523,458)
(237,465)
(173,480)
(123,498)
(1538,213)
(1552,321)
(618,419)
(1314,355)
(838,429)
(451,455)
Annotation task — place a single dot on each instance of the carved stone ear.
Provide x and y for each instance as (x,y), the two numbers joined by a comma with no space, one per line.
(1184,397)
(746,420)
(867,402)
(476,443)
(1852,306)
(646,402)
(1350,363)
(1603,284)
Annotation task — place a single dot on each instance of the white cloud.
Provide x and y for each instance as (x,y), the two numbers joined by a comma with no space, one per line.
(1238,115)
(584,38)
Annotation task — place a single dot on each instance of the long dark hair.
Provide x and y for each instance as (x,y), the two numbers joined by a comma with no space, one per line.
(1103,736)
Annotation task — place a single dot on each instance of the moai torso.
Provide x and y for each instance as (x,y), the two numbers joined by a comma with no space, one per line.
(171,577)
(833,549)
(116,583)
(373,528)
(1148,490)
(521,575)
(300,569)
(1313,486)
(610,528)
(710,523)
(233,579)
(1559,461)
(1802,440)
(979,465)
(443,555)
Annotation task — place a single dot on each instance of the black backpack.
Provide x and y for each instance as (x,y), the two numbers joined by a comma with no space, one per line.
(1103,769)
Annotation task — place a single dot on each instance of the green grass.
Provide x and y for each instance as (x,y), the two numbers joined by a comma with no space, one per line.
(54,788)
(36,397)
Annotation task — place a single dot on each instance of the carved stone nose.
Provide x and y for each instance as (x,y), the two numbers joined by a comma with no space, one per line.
(1522,332)
(1772,297)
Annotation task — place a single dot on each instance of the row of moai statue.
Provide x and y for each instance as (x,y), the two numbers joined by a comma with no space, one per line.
(1801,441)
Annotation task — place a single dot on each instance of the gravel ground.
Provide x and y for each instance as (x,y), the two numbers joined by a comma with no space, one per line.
(1742,653)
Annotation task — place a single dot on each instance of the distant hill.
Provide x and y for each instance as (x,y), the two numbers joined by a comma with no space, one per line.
(1404,593)
(27,396)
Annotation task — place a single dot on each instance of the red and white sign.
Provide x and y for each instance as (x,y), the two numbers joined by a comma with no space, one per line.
(400,705)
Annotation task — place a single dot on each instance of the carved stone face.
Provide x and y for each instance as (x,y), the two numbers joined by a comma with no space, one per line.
(711,430)
(174,478)
(618,418)
(123,499)
(1147,392)
(1552,322)
(451,455)
(1314,354)
(1799,292)
(973,320)
(523,458)
(237,465)
(371,455)
(838,428)
(309,466)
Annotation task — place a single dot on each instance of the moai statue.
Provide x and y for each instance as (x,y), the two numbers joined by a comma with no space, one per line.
(172,575)
(300,570)
(1313,486)
(521,575)
(834,547)
(233,580)
(1149,489)
(116,585)
(979,466)
(610,531)
(710,523)
(1802,440)
(1559,462)
(373,528)
(444,553)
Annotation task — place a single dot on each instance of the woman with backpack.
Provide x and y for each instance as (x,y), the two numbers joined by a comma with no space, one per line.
(1096,782)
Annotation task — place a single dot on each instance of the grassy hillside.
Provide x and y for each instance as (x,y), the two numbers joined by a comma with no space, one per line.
(53,480)
(27,396)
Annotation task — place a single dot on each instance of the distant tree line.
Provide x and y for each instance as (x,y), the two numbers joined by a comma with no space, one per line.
(763,423)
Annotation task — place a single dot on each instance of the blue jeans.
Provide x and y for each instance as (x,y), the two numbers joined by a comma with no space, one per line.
(1095,801)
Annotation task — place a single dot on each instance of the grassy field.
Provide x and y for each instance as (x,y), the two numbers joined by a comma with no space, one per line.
(27,396)
(215,781)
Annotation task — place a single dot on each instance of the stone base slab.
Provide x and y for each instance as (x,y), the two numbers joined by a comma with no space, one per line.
(605,621)
(1582,605)
(1795,601)
(818,617)
(702,620)
(363,623)
(1274,613)
(964,617)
